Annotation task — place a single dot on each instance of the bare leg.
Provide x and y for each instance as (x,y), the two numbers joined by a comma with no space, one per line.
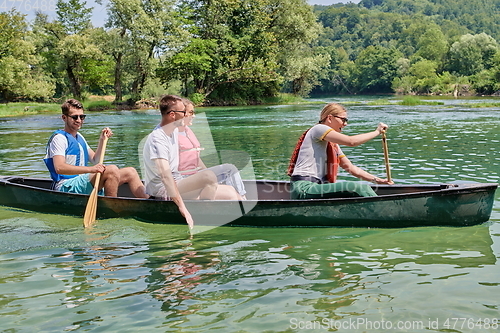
(110,179)
(227,192)
(129,175)
(202,185)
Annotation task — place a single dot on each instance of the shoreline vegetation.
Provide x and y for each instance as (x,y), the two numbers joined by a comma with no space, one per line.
(102,103)
(250,54)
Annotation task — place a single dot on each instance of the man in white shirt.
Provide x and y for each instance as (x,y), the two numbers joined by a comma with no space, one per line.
(161,162)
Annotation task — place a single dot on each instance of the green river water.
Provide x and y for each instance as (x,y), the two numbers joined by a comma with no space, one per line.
(128,276)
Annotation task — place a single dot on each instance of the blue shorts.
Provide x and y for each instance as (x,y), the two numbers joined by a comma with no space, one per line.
(80,184)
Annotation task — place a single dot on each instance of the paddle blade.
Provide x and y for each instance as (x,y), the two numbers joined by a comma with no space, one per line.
(91,209)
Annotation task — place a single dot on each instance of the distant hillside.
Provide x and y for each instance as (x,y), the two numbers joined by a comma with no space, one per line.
(399,23)
(476,15)
(411,47)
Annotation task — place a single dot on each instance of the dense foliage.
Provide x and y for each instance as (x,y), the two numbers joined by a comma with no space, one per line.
(437,46)
(228,51)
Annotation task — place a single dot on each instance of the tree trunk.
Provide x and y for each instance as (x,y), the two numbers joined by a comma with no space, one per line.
(139,80)
(118,72)
(76,86)
(118,78)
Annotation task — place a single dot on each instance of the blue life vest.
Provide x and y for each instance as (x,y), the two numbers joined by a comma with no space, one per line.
(75,145)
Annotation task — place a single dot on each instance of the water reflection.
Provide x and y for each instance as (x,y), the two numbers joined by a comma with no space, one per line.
(174,278)
(236,277)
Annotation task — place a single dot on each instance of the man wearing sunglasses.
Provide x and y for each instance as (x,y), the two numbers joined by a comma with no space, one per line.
(161,164)
(68,155)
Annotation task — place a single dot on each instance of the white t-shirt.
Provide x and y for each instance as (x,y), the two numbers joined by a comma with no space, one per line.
(311,160)
(159,145)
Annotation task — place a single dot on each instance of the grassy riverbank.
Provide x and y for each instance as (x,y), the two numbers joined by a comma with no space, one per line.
(20,109)
(414,101)
(31,108)
(407,100)
(101,103)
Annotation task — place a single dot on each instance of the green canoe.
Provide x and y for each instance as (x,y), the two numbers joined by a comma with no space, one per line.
(395,206)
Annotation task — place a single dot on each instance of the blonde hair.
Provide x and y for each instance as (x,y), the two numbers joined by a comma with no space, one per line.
(331,108)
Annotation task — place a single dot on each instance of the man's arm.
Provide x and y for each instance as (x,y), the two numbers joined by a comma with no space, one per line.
(64,168)
(171,187)
(94,156)
(57,150)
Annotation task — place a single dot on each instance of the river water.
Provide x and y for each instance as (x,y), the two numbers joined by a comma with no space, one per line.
(128,276)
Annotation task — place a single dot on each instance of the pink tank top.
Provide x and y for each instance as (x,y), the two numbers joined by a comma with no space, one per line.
(189,152)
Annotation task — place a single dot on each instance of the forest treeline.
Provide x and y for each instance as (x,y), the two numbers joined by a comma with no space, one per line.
(244,51)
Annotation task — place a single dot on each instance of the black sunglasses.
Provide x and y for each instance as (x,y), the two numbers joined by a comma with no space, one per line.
(75,116)
(183,112)
(344,120)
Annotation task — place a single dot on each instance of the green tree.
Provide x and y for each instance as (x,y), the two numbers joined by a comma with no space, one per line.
(423,69)
(117,44)
(73,16)
(375,69)
(472,53)
(423,74)
(71,48)
(20,74)
(238,45)
(295,28)
(190,65)
(432,45)
(142,28)
(229,43)
(335,76)
(84,63)
(475,16)
(304,73)
(487,81)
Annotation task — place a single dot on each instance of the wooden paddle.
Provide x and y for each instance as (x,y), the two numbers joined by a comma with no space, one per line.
(91,209)
(386,157)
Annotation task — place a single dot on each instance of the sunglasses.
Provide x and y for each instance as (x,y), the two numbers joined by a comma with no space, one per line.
(183,112)
(344,120)
(75,116)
